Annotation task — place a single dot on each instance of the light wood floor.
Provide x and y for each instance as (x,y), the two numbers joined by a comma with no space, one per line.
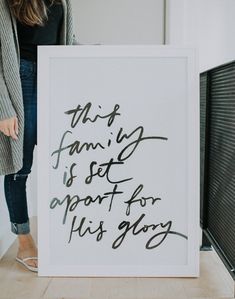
(17,283)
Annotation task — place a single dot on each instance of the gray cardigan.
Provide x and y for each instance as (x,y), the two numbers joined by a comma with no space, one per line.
(11,101)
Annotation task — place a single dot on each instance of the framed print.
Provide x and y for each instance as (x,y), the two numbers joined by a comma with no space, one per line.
(118,161)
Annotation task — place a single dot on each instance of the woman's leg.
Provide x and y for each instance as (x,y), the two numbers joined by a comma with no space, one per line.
(15,184)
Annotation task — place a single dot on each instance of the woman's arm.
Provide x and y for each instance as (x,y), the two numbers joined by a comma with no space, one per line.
(8,119)
(6,108)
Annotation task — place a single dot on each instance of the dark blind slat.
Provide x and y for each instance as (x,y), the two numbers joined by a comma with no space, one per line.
(221,159)
(203,97)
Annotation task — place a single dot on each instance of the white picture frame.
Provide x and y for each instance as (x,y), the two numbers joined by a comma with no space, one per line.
(103,89)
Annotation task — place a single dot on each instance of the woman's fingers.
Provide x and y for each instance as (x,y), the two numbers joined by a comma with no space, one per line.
(16,126)
(6,131)
(9,127)
(12,130)
(4,128)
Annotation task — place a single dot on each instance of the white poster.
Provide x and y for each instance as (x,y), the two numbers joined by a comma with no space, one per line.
(118,161)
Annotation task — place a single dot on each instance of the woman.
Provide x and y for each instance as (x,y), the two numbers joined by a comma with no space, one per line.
(24,24)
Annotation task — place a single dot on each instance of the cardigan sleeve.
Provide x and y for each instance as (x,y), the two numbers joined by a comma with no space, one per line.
(6,108)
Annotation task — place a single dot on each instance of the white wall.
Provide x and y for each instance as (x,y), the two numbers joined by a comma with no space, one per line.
(208,25)
(6,238)
(119,21)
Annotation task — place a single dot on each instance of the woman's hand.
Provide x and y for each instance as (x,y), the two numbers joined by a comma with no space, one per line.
(9,127)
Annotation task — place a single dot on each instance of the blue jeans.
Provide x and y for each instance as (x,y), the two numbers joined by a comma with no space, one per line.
(15,184)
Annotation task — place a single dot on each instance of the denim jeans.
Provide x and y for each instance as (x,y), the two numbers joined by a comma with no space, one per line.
(15,184)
